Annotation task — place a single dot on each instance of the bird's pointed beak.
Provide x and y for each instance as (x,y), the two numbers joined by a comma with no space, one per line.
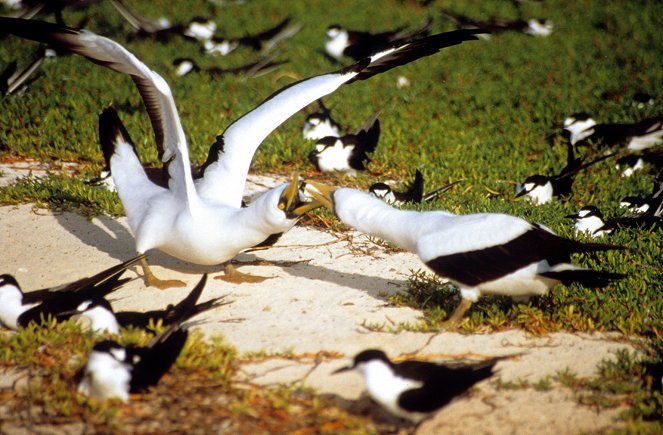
(321,193)
(572,216)
(290,202)
(342,369)
(520,191)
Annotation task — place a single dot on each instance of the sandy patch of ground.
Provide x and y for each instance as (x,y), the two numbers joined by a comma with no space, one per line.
(323,287)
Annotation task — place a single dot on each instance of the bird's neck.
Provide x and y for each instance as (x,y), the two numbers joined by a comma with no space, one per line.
(373,216)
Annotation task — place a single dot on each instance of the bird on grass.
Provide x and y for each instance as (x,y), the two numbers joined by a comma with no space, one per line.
(18,308)
(199,28)
(532,26)
(348,153)
(202,221)
(264,41)
(582,130)
(481,253)
(355,44)
(542,188)
(186,65)
(589,221)
(414,192)
(114,371)
(99,315)
(415,389)
(320,124)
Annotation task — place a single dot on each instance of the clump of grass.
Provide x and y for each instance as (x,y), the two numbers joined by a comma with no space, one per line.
(198,393)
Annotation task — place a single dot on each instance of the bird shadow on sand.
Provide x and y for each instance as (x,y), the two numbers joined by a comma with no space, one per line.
(364,406)
(375,286)
(110,236)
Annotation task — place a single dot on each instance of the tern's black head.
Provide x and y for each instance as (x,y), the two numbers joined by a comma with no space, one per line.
(379,189)
(7,279)
(370,355)
(580,116)
(585,212)
(107,346)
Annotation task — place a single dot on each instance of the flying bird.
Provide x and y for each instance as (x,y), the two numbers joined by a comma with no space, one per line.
(415,389)
(19,308)
(203,222)
(481,253)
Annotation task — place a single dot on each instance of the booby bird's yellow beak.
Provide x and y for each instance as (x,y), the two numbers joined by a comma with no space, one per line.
(321,193)
(291,204)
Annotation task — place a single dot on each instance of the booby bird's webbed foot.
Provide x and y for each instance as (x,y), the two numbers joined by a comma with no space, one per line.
(152,281)
(234,276)
(457,316)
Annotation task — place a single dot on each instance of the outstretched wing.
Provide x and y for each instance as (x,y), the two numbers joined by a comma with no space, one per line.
(156,94)
(230,156)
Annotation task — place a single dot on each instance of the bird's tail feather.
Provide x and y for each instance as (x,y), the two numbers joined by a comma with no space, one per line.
(585,277)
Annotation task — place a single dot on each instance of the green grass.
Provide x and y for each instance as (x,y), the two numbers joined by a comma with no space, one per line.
(483,113)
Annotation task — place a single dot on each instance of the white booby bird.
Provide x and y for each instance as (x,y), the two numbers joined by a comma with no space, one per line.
(320,124)
(541,188)
(341,42)
(583,129)
(532,26)
(481,253)
(99,315)
(18,309)
(12,80)
(414,192)
(114,371)
(203,221)
(415,389)
(348,153)
(186,65)
(589,221)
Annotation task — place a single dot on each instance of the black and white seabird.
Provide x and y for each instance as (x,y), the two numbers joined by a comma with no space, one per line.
(13,81)
(355,44)
(481,253)
(203,222)
(532,27)
(114,371)
(541,188)
(98,314)
(264,41)
(348,153)
(414,192)
(589,221)
(186,65)
(651,158)
(18,309)
(199,28)
(320,124)
(415,389)
(583,129)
